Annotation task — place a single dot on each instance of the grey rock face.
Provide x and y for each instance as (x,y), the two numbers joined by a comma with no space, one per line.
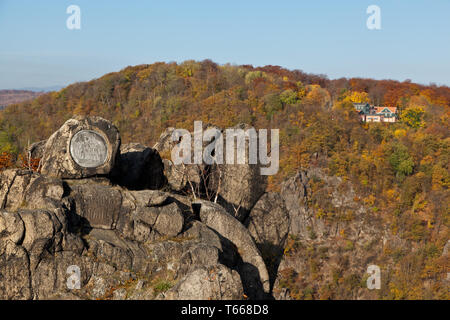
(99,205)
(212,283)
(335,195)
(178,176)
(155,222)
(175,175)
(144,215)
(165,143)
(12,228)
(239,185)
(169,221)
(268,223)
(446,249)
(82,147)
(331,231)
(252,269)
(14,273)
(30,243)
(25,189)
(50,277)
(240,188)
(149,215)
(148,198)
(13,185)
(37,250)
(295,192)
(40,235)
(269,220)
(139,167)
(36,150)
(179,258)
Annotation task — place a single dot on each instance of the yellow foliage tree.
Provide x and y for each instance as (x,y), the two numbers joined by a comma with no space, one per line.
(357,97)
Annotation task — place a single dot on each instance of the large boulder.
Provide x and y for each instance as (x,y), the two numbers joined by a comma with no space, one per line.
(156,222)
(239,185)
(82,147)
(51,276)
(148,215)
(178,176)
(139,167)
(268,223)
(181,176)
(91,209)
(198,231)
(208,283)
(165,143)
(252,269)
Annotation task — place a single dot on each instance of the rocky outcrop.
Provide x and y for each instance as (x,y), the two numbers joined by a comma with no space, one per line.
(239,185)
(268,224)
(252,268)
(149,215)
(216,282)
(15,273)
(38,250)
(165,142)
(29,240)
(26,189)
(295,192)
(82,147)
(178,176)
(82,229)
(332,240)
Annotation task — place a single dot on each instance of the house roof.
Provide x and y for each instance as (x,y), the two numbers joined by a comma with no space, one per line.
(381,109)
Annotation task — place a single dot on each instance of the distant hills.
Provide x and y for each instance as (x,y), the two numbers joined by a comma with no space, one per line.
(8,97)
(12,96)
(42,89)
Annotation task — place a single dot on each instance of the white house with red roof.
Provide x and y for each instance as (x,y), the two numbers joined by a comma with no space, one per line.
(369,113)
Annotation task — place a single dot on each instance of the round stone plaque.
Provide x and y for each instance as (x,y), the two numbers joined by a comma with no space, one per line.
(88,149)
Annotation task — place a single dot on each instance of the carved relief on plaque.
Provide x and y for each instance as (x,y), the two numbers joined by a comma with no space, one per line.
(88,149)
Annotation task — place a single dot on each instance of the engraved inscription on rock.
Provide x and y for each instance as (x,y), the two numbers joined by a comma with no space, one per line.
(88,149)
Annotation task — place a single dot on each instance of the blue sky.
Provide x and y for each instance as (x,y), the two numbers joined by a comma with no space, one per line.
(321,36)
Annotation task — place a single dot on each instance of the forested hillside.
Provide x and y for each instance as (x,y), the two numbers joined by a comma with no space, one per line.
(399,170)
